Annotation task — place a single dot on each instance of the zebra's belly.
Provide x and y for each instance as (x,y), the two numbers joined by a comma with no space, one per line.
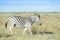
(23,26)
(20,25)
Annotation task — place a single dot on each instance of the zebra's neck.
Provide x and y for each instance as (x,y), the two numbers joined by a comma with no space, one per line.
(33,19)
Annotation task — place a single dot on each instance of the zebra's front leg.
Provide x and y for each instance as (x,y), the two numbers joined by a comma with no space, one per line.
(29,29)
(24,30)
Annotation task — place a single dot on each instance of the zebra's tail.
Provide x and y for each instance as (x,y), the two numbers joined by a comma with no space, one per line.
(6,24)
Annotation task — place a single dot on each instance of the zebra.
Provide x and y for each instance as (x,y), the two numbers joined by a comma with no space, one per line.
(24,22)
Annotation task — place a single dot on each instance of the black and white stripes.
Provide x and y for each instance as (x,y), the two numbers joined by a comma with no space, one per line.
(25,22)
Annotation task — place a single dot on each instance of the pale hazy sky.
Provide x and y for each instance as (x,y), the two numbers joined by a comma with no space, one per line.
(29,5)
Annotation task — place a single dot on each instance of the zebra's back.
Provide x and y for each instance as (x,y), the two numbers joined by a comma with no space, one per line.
(21,21)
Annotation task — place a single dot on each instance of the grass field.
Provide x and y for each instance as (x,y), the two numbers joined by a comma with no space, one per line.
(50,29)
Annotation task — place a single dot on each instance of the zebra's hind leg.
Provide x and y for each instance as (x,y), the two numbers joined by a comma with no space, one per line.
(11,30)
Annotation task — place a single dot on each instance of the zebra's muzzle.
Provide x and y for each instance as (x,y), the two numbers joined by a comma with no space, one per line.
(40,23)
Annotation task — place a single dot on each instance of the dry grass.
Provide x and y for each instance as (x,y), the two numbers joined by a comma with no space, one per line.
(50,29)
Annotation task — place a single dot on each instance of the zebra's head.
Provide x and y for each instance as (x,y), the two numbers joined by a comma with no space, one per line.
(38,20)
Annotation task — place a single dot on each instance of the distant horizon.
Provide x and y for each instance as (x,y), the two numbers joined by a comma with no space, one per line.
(27,12)
(29,5)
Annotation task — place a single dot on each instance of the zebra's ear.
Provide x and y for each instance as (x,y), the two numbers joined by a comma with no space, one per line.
(37,15)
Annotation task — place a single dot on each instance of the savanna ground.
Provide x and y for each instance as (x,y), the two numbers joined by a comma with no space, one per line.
(49,30)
